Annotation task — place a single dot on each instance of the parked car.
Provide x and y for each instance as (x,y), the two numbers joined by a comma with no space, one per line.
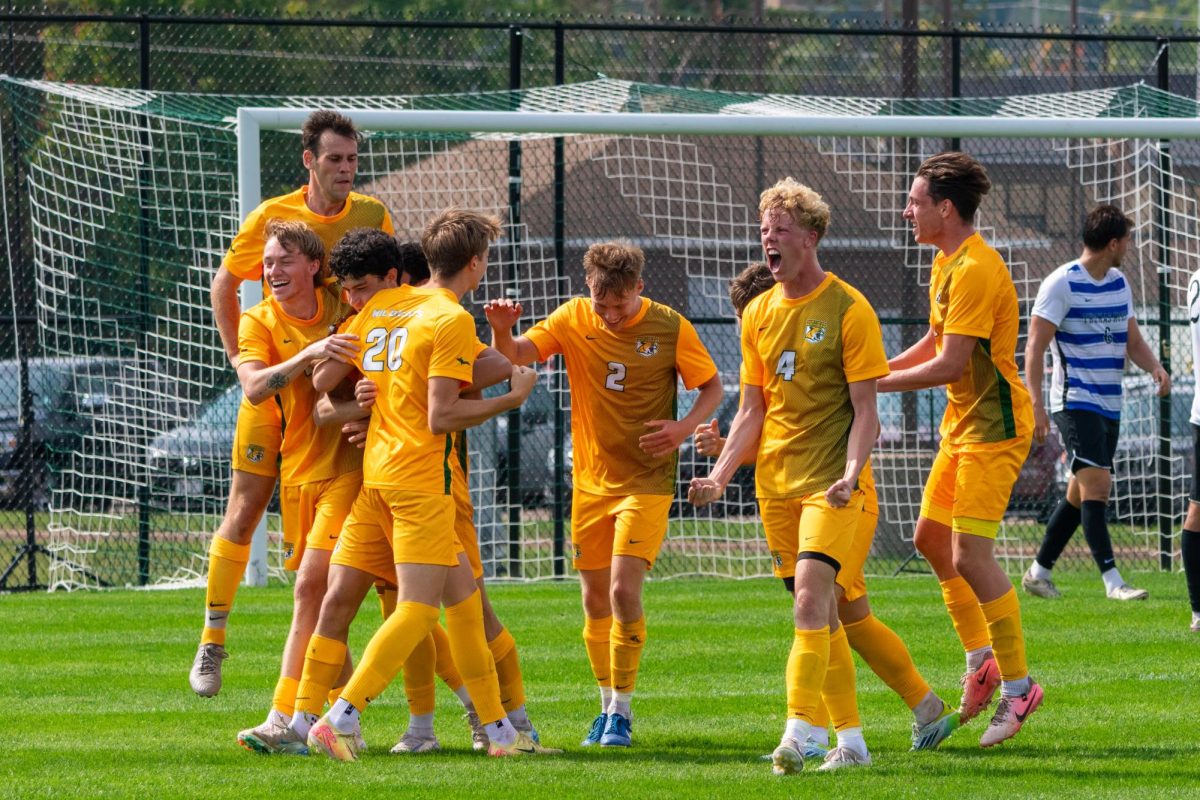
(189,464)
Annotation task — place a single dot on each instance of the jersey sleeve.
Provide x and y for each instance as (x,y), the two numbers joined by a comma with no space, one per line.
(244,258)
(546,335)
(453,354)
(752,366)
(1052,302)
(863,356)
(692,360)
(254,341)
(386,225)
(970,311)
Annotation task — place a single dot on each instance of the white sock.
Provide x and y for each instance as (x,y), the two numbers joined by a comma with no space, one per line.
(215,620)
(421,725)
(620,704)
(462,694)
(799,730)
(976,657)
(819,736)
(606,696)
(1112,579)
(501,732)
(1195,617)
(852,738)
(279,718)
(519,718)
(929,709)
(1015,688)
(302,723)
(1038,572)
(344,717)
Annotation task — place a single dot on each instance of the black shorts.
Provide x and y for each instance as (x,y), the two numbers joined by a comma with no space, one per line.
(1090,438)
(1194,496)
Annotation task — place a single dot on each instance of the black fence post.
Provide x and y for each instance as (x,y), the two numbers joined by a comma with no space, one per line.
(560,263)
(516,495)
(144,180)
(1166,504)
(956,80)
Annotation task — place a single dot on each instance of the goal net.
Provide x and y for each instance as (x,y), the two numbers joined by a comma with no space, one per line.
(133,198)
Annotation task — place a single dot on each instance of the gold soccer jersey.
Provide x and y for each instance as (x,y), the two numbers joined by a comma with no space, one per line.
(971,294)
(619,381)
(804,353)
(408,336)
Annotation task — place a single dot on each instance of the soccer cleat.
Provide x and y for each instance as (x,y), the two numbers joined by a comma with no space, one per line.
(843,757)
(598,726)
(412,744)
(524,745)
(205,676)
(932,734)
(527,727)
(787,758)
(978,689)
(271,737)
(1195,626)
(1011,715)
(324,738)
(1127,592)
(814,750)
(479,738)
(618,732)
(1039,587)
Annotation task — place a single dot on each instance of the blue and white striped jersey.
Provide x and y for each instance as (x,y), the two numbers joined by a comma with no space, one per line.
(1089,347)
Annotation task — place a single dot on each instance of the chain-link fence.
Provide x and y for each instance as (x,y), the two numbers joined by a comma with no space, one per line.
(56,472)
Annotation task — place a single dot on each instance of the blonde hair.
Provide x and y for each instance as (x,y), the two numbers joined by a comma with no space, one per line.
(802,204)
(613,267)
(454,237)
(297,237)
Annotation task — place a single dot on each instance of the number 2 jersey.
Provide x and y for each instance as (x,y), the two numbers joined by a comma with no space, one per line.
(620,380)
(804,353)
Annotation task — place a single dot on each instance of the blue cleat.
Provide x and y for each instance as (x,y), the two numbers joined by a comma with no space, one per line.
(617,733)
(598,725)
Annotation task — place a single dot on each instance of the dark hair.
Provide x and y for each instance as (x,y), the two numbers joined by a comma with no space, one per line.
(362,252)
(413,262)
(749,284)
(956,177)
(454,237)
(320,121)
(1103,224)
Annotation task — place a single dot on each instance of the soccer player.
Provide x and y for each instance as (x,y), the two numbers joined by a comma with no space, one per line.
(1190,538)
(624,355)
(812,352)
(280,340)
(970,348)
(1086,308)
(329,207)
(418,347)
(877,644)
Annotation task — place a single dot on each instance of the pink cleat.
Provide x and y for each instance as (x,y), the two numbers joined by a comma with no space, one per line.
(978,689)
(1011,715)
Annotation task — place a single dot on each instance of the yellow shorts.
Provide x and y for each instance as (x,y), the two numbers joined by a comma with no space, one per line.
(313,514)
(464,524)
(969,485)
(808,526)
(257,439)
(603,527)
(364,543)
(850,577)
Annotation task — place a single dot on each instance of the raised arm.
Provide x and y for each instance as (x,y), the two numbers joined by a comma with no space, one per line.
(1041,332)
(491,367)
(945,367)
(1141,355)
(502,315)
(450,412)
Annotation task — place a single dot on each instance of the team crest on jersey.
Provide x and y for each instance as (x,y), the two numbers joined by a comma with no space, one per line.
(578,552)
(647,347)
(777,557)
(289,550)
(255,453)
(814,331)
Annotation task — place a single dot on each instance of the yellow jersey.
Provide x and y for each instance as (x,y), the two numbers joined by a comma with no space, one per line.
(409,335)
(619,381)
(971,293)
(804,353)
(269,334)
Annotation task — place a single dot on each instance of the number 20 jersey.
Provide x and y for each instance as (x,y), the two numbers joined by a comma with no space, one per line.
(804,353)
(620,380)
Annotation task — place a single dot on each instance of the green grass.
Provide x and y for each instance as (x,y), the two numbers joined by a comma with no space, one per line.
(94,687)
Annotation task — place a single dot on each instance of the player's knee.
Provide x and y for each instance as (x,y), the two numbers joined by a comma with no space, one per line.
(309,591)
(626,598)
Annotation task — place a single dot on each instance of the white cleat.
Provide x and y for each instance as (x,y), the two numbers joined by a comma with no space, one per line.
(1039,587)
(843,757)
(205,676)
(787,758)
(1127,592)
(412,744)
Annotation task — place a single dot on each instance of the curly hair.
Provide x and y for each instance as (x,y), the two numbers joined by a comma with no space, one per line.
(413,262)
(320,121)
(364,251)
(802,204)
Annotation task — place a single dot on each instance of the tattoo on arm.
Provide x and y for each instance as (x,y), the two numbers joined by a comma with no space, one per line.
(277,381)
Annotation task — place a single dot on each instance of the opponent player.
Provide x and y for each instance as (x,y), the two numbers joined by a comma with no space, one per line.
(1086,308)
(986,430)
(877,644)
(624,355)
(329,207)
(812,351)
(419,347)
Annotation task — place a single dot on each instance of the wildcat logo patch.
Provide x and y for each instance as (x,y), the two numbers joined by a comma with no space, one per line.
(814,331)
(777,558)
(255,453)
(647,347)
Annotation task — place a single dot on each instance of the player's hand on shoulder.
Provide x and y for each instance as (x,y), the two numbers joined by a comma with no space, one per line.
(523,380)
(365,393)
(703,491)
(708,441)
(502,314)
(838,495)
(340,347)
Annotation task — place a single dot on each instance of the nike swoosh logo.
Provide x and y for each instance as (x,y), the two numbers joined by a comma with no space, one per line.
(525,750)
(1021,717)
(215,605)
(590,338)
(287,341)
(636,541)
(764,327)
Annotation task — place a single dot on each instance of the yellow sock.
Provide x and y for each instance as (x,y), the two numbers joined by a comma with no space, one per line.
(464,625)
(627,641)
(284,700)
(418,676)
(821,716)
(387,598)
(806,667)
(387,651)
(888,658)
(322,668)
(445,667)
(508,670)
(968,620)
(226,566)
(334,694)
(1008,642)
(596,633)
(839,691)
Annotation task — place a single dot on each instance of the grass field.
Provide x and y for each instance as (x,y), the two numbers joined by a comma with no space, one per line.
(94,687)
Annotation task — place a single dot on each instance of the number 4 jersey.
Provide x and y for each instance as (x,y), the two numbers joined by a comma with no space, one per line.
(805,353)
(409,335)
(620,380)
